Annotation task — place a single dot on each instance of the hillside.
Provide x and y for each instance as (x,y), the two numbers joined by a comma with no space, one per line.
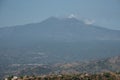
(91,67)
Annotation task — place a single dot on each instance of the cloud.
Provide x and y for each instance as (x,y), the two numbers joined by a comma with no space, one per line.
(88,21)
(71,16)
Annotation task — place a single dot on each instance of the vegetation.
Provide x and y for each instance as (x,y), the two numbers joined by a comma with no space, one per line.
(91,67)
(83,76)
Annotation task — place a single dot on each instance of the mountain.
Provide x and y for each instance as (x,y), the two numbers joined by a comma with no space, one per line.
(55,29)
(54,41)
(57,40)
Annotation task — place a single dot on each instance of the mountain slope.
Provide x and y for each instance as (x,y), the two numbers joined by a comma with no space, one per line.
(57,40)
(54,29)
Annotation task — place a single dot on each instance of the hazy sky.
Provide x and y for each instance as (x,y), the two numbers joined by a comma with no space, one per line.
(104,13)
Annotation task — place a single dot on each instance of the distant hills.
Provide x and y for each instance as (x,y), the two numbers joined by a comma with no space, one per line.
(111,64)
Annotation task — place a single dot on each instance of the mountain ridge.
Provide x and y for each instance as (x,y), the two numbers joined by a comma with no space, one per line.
(55,18)
(69,29)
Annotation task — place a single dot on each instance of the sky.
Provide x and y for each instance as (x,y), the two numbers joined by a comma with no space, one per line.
(104,13)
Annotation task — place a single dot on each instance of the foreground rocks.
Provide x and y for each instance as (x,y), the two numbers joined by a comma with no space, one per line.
(82,76)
